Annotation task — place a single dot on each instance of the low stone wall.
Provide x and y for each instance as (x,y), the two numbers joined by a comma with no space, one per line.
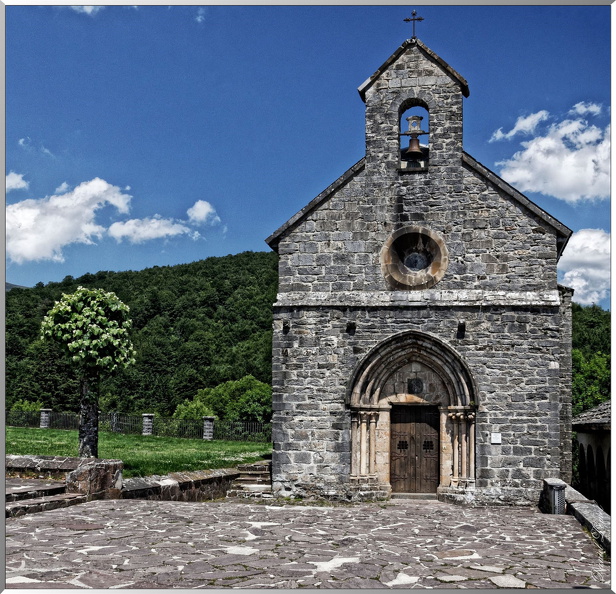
(102,479)
(591,516)
(97,479)
(93,477)
(558,497)
(199,485)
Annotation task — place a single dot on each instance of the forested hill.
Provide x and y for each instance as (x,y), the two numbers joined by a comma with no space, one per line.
(195,326)
(199,325)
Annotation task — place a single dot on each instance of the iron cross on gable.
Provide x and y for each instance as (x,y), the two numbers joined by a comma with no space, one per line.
(413,20)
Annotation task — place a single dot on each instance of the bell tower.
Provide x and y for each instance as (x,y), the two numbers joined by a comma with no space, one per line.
(414,80)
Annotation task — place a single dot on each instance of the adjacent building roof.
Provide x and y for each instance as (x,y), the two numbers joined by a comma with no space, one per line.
(599,417)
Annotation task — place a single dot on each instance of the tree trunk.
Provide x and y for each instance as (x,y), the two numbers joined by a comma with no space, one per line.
(88,421)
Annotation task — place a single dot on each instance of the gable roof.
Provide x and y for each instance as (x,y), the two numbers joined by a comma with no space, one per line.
(562,232)
(297,218)
(413,42)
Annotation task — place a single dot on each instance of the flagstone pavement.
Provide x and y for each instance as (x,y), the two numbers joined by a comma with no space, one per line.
(230,543)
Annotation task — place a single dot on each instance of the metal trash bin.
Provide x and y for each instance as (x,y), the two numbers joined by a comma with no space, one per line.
(554,491)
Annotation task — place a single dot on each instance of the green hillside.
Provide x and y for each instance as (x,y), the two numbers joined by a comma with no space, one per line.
(194,326)
(201,324)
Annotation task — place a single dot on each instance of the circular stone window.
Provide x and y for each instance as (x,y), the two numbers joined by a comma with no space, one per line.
(414,258)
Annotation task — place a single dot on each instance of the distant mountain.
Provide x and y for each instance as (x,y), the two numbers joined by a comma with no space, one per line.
(10,286)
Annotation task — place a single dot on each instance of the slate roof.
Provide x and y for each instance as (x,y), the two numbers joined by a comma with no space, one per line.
(599,415)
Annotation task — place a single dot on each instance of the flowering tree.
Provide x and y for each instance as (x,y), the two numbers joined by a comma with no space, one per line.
(92,326)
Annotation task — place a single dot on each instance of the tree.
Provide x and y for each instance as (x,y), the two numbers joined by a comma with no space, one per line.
(246,399)
(591,383)
(92,327)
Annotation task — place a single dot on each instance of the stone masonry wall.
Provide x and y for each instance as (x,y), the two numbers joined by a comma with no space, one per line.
(517,381)
(493,243)
(335,303)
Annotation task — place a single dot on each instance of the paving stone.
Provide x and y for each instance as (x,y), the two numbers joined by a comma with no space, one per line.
(192,545)
(507,581)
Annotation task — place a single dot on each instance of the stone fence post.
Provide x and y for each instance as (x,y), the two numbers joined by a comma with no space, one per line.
(148,423)
(45,418)
(208,428)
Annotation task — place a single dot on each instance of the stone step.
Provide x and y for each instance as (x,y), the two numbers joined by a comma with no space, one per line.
(34,492)
(258,467)
(424,496)
(265,494)
(254,478)
(39,504)
(252,487)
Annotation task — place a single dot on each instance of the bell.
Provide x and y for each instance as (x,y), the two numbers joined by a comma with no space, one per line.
(414,149)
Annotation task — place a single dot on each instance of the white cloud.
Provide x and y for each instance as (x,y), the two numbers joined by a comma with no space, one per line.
(582,108)
(63,187)
(200,18)
(569,160)
(524,125)
(16,181)
(585,265)
(202,212)
(26,144)
(140,230)
(40,229)
(89,10)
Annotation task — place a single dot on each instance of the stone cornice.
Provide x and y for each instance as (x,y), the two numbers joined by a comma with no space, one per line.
(444,298)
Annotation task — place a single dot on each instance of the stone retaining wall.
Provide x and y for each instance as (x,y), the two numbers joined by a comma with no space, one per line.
(199,485)
(102,479)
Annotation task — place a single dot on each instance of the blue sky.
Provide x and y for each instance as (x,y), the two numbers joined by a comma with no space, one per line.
(154,135)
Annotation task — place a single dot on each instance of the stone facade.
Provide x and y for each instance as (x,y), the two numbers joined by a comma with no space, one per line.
(404,290)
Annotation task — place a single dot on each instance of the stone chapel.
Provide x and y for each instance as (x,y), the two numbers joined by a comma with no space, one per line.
(421,341)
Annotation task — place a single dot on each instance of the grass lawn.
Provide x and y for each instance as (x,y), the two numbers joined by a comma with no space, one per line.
(143,455)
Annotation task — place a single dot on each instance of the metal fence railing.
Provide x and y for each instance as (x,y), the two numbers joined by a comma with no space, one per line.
(243,431)
(22,418)
(138,424)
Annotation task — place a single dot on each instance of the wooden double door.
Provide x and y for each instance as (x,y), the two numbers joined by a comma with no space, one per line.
(414,465)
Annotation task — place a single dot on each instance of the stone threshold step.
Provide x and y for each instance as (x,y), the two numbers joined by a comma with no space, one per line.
(251,487)
(250,494)
(35,493)
(30,506)
(431,496)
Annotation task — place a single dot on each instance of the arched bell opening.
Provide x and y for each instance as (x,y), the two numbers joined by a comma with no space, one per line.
(412,403)
(414,134)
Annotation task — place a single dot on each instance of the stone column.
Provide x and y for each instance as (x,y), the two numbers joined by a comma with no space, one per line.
(363,438)
(148,423)
(373,416)
(208,428)
(355,468)
(471,446)
(444,470)
(45,418)
(454,479)
(463,455)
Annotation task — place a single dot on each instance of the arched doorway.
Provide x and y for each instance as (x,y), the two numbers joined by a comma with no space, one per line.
(412,402)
